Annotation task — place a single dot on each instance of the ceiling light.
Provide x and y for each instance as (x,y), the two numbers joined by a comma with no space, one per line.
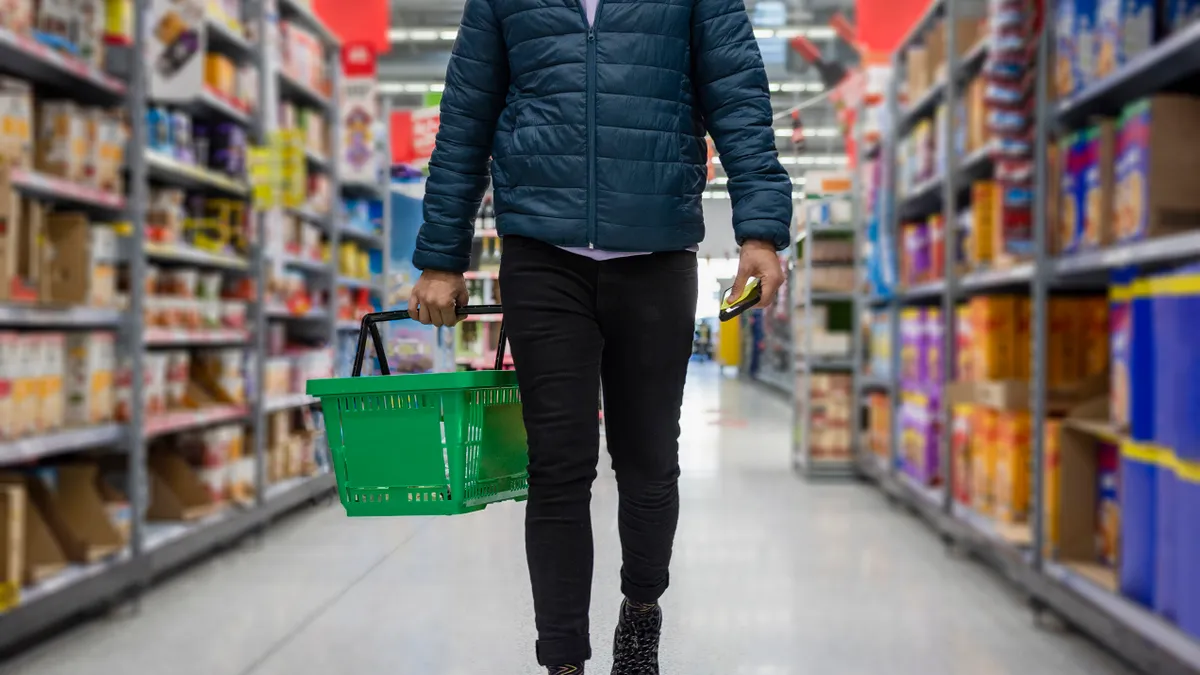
(815,132)
(449,33)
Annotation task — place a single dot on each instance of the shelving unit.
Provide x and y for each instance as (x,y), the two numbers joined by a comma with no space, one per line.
(156,546)
(823,222)
(1020,551)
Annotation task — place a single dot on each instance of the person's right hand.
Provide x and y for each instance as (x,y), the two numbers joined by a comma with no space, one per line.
(436,296)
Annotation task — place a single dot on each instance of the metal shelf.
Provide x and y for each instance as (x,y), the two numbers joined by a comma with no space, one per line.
(365,190)
(924,199)
(310,216)
(369,239)
(316,160)
(29,59)
(186,420)
(66,317)
(1018,275)
(926,291)
(58,442)
(295,90)
(50,188)
(1150,252)
(354,282)
(922,107)
(190,255)
(1172,61)
(288,401)
(972,62)
(295,10)
(225,39)
(167,169)
(282,313)
(869,381)
(166,337)
(830,296)
(305,264)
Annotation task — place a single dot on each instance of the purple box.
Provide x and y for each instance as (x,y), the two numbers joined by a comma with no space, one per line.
(913,360)
(934,333)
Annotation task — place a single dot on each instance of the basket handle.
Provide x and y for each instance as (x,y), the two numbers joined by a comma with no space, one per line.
(370,325)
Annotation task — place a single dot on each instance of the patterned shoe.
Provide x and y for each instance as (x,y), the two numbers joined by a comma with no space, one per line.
(635,648)
(566,670)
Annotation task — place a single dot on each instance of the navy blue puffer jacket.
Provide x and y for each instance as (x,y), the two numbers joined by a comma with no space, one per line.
(596,134)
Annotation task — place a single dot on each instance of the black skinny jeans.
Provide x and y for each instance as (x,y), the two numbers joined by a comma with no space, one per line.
(573,323)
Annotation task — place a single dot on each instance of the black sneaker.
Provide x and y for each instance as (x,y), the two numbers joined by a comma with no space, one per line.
(566,670)
(635,648)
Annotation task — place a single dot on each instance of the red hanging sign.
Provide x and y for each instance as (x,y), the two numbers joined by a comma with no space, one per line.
(364,21)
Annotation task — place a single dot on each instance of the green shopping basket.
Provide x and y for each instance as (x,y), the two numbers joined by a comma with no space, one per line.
(424,445)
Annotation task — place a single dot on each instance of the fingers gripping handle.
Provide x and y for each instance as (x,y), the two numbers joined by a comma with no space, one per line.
(370,326)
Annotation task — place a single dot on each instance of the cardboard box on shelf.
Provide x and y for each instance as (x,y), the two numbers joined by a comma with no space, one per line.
(69,247)
(106,138)
(12,544)
(918,73)
(1157,149)
(43,554)
(62,141)
(76,513)
(16,122)
(983,459)
(176,492)
(984,198)
(90,370)
(20,255)
(994,320)
(10,371)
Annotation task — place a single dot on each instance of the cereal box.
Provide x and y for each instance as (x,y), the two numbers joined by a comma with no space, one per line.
(1093,329)
(1012,449)
(934,331)
(964,339)
(1071,219)
(912,360)
(1022,353)
(1061,350)
(26,400)
(983,459)
(994,336)
(1052,485)
(960,447)
(1157,149)
(1108,504)
(1126,28)
(1087,41)
(1066,75)
(983,226)
(1120,322)
(1180,13)
(1097,189)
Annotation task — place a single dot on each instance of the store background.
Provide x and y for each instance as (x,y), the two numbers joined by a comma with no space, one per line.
(244,195)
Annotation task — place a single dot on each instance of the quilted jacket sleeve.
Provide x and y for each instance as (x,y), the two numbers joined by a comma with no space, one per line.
(732,86)
(476,88)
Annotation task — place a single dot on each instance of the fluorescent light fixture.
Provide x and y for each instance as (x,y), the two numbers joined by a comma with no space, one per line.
(449,33)
(792,87)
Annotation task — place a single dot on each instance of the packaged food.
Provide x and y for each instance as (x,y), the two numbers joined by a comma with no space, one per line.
(10,372)
(52,366)
(90,378)
(233,315)
(1156,149)
(179,366)
(182,282)
(155,364)
(1108,504)
(1120,318)
(16,121)
(1097,190)
(62,140)
(1012,449)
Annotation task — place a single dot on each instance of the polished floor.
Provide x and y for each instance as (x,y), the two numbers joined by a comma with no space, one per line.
(772,576)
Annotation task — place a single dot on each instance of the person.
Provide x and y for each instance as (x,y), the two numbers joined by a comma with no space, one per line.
(594,115)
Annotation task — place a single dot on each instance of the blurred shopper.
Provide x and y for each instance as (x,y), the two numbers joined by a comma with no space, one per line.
(594,115)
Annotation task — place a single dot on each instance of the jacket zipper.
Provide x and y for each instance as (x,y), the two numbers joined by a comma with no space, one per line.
(591,118)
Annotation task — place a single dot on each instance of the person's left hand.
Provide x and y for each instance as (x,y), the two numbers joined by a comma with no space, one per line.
(759,260)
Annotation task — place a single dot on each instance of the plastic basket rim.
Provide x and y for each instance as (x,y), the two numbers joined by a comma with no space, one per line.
(396,384)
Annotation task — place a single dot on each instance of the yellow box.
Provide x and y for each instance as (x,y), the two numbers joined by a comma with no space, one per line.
(1062,350)
(964,335)
(995,334)
(983,460)
(984,197)
(1052,485)
(1022,345)
(1093,337)
(1012,448)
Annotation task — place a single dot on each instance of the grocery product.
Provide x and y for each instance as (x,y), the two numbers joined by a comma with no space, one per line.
(90,368)
(1052,485)
(16,122)
(993,334)
(1012,458)
(62,146)
(984,459)
(1120,341)
(1108,503)
(960,447)
(1155,151)
(1126,28)
(912,358)
(1097,189)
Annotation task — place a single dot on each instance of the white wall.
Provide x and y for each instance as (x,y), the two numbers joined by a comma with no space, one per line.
(718,225)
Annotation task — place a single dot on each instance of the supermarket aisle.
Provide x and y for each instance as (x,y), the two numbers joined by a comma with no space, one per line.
(773,577)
